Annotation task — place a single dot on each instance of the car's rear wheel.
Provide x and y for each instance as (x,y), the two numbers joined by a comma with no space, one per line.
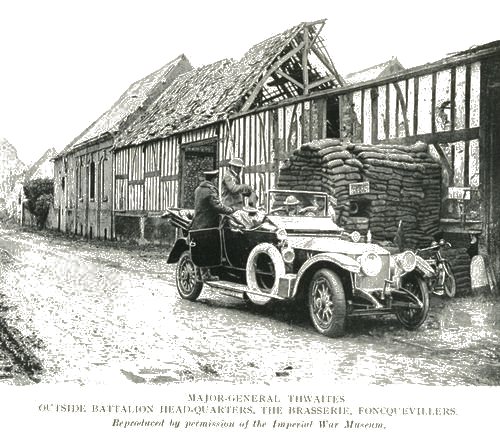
(327,306)
(413,317)
(187,278)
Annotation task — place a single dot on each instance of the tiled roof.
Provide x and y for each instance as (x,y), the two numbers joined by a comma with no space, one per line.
(375,72)
(139,94)
(212,92)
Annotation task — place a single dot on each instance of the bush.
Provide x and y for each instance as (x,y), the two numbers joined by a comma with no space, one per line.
(40,197)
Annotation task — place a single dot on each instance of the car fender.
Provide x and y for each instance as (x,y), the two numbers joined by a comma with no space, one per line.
(424,268)
(343,261)
(180,246)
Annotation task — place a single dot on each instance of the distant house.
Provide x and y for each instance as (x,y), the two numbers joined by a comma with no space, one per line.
(378,71)
(43,168)
(83,195)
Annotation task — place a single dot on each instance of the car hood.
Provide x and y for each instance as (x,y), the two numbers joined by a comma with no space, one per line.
(332,244)
(304,224)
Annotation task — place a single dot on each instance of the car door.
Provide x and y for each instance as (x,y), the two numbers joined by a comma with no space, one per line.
(205,246)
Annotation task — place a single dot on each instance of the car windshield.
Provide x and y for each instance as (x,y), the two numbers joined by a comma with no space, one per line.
(290,203)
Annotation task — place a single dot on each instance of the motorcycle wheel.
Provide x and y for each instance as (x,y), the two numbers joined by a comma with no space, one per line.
(449,283)
(413,318)
(186,278)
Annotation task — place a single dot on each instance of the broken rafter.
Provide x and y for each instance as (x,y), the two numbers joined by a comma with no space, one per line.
(288,77)
(317,31)
(322,81)
(327,64)
(266,76)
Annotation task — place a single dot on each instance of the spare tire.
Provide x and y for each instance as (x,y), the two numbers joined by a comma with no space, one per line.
(265,266)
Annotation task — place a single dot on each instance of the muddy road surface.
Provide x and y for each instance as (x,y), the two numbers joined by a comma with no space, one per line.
(100,313)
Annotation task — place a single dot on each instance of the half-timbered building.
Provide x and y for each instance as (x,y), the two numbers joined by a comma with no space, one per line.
(285,92)
(219,111)
(453,106)
(83,188)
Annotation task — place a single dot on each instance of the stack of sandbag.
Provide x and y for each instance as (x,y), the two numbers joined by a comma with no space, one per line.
(404,181)
(322,165)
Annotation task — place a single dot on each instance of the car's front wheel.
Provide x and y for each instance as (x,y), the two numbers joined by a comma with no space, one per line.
(187,278)
(327,306)
(413,316)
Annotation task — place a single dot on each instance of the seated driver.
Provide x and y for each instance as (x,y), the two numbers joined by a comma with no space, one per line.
(292,206)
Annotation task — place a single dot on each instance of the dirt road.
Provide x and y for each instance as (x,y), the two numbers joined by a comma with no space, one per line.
(103,313)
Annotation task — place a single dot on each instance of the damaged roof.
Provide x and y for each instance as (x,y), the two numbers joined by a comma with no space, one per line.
(140,94)
(375,72)
(262,76)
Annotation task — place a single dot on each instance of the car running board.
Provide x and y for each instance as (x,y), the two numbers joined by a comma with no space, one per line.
(237,290)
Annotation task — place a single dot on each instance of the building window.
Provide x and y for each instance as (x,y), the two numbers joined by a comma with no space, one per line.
(79,179)
(92,180)
(104,197)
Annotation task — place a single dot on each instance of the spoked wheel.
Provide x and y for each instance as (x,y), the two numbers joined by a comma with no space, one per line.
(327,306)
(186,275)
(413,316)
(449,283)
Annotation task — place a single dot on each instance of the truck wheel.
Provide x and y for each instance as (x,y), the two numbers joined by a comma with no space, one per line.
(187,278)
(412,318)
(327,306)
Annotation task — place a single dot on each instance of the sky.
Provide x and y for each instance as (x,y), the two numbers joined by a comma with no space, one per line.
(64,63)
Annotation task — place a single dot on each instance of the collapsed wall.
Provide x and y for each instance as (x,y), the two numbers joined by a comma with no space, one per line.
(375,186)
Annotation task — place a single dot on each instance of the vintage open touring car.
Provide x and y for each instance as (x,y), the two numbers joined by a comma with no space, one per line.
(300,254)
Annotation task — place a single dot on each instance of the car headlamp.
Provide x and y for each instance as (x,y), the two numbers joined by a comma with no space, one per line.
(406,260)
(288,255)
(355,236)
(281,234)
(371,263)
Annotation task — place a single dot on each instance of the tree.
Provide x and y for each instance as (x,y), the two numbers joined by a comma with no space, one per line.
(40,197)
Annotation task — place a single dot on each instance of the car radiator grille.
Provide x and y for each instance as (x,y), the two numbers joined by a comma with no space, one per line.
(375,282)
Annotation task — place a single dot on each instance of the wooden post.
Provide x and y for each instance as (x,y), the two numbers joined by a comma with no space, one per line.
(374,109)
(305,54)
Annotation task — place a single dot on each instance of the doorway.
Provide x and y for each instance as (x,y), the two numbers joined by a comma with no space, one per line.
(195,159)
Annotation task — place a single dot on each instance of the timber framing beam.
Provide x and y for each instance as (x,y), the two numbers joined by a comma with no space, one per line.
(290,78)
(305,56)
(266,76)
(327,64)
(321,82)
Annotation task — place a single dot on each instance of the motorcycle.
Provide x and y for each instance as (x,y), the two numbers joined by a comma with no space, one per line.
(442,282)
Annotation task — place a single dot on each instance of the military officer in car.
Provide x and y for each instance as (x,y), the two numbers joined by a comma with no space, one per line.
(207,204)
(233,191)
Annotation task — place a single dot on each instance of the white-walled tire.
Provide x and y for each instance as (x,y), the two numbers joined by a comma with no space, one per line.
(265,266)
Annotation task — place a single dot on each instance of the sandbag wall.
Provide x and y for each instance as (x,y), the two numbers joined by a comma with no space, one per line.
(405,184)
